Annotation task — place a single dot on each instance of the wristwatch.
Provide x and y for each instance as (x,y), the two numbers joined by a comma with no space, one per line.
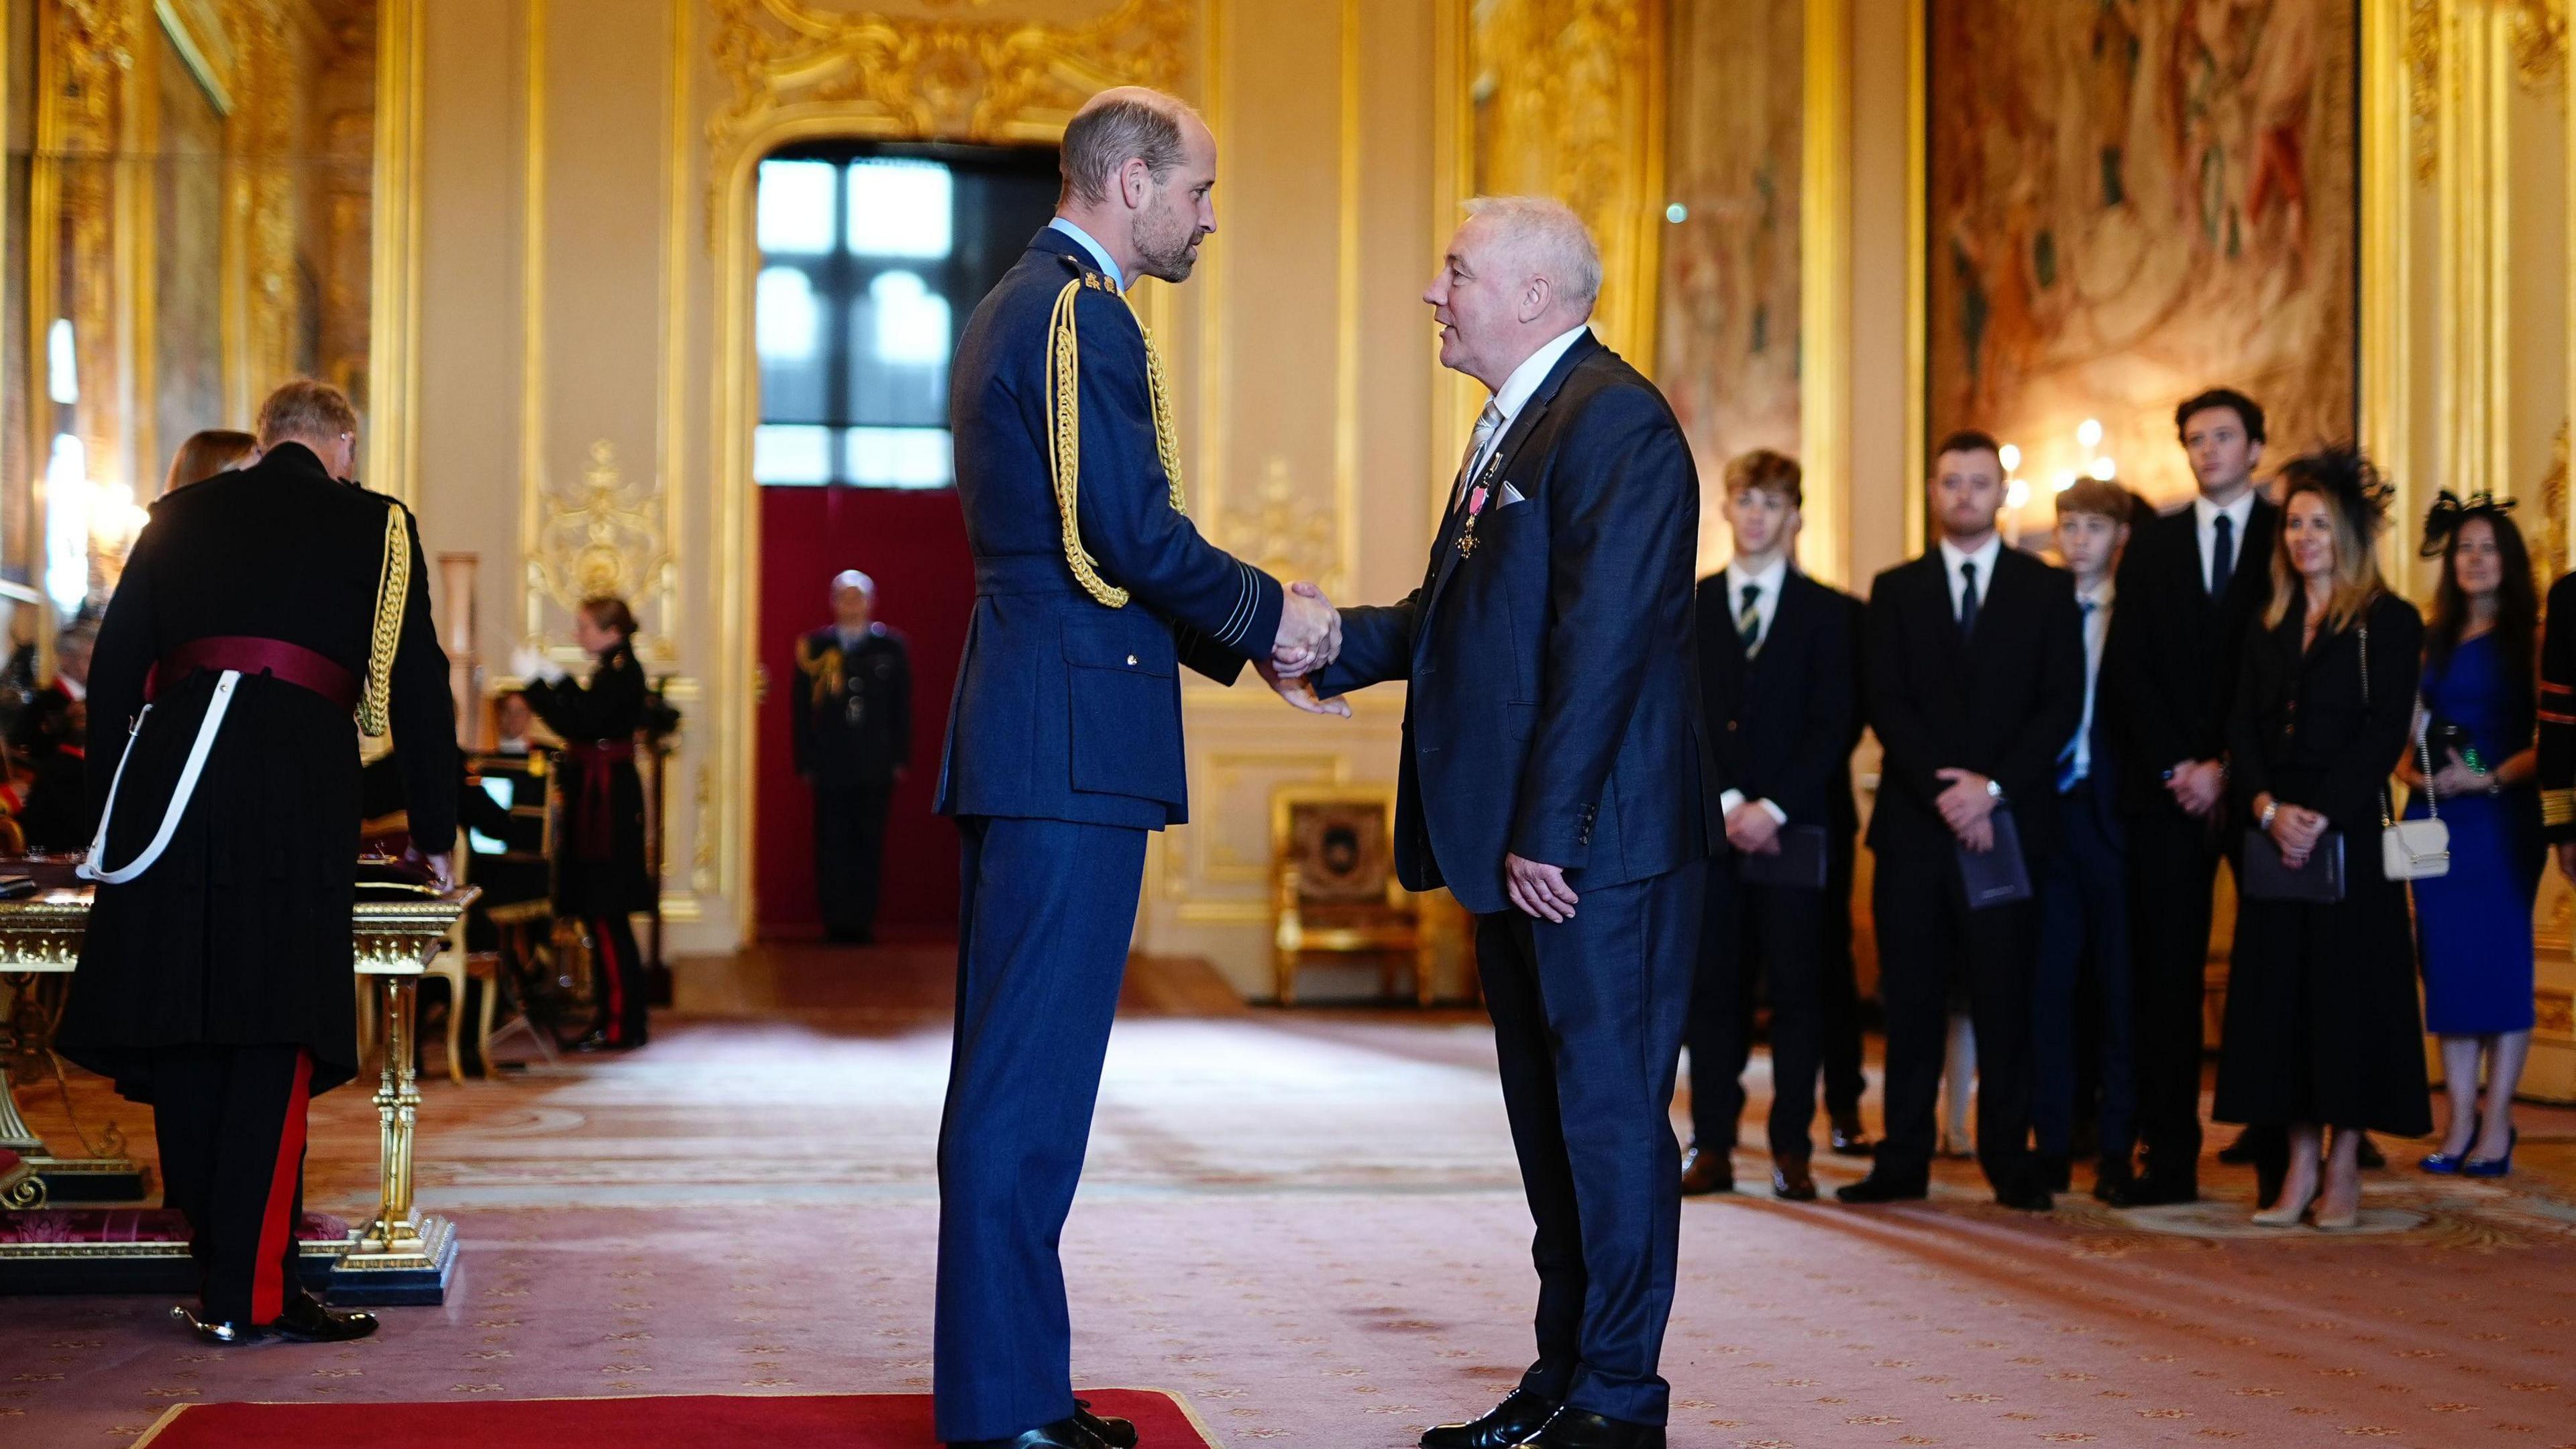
(1994,789)
(2269,810)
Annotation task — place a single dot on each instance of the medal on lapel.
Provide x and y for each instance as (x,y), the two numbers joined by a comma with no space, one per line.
(1475,509)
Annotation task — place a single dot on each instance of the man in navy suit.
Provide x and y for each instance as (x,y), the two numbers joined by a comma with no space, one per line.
(1974,665)
(2083,977)
(1064,738)
(1778,689)
(1556,778)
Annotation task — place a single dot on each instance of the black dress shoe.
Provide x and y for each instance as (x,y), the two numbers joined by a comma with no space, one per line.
(1849,1140)
(1583,1429)
(2113,1185)
(1878,1187)
(2027,1197)
(1504,1426)
(307,1321)
(1116,1433)
(2051,1171)
(1062,1434)
(1791,1182)
(1706,1171)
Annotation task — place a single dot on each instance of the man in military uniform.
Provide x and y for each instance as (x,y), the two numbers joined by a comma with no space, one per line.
(256,612)
(853,740)
(1064,741)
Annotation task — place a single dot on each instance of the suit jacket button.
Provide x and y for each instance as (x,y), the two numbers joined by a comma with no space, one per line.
(1730,726)
(1131,661)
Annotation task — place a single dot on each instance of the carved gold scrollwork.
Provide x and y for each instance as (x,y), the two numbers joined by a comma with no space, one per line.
(2553,556)
(2537,32)
(962,79)
(1282,534)
(603,535)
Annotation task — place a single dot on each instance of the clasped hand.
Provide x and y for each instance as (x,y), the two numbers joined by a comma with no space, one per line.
(2296,830)
(1967,806)
(1310,637)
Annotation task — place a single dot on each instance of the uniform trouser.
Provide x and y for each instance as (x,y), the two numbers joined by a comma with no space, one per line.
(621,984)
(1929,942)
(1840,1047)
(230,1123)
(1773,934)
(1047,912)
(2084,941)
(2173,865)
(1588,1020)
(849,856)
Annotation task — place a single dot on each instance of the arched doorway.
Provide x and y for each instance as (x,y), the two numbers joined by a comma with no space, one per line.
(872,256)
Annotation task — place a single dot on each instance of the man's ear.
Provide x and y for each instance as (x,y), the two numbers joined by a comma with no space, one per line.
(1135,182)
(1535,296)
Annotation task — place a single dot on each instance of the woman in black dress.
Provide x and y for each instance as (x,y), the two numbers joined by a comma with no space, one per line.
(2322,1028)
(600,875)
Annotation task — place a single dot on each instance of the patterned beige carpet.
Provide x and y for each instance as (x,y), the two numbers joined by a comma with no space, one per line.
(1309,1223)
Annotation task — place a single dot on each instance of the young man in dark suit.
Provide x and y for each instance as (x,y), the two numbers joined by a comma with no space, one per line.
(1975,670)
(2189,586)
(1556,777)
(1776,686)
(2084,979)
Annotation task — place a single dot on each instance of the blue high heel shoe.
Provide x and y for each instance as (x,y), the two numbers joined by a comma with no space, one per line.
(2448,1163)
(2494,1166)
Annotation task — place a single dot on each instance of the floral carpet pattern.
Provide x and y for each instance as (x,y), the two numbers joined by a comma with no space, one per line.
(1309,1224)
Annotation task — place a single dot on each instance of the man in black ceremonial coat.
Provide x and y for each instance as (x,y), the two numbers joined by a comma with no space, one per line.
(853,716)
(215,982)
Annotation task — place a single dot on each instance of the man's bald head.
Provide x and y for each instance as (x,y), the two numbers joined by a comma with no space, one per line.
(1139,167)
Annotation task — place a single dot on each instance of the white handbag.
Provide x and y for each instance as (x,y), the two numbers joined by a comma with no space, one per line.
(2410,849)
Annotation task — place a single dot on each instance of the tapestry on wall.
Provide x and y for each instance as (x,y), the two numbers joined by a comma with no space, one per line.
(1729,339)
(2130,200)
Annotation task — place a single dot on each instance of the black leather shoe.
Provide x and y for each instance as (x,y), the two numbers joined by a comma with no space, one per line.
(2028,1197)
(1504,1426)
(1062,1434)
(1116,1433)
(1849,1140)
(1791,1182)
(1583,1429)
(307,1321)
(2114,1187)
(1878,1187)
(1705,1171)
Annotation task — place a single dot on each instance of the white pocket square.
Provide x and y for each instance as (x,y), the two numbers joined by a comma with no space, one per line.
(1511,495)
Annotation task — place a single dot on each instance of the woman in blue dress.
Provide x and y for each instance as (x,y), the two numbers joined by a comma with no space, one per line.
(2473,924)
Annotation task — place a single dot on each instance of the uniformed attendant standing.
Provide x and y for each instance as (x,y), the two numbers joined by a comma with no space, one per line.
(257,609)
(601,873)
(1064,740)
(853,741)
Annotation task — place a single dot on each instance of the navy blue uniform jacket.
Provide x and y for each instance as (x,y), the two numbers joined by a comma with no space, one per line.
(1067,709)
(1555,708)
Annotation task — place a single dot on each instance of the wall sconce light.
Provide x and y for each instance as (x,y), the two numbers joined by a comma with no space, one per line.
(67,497)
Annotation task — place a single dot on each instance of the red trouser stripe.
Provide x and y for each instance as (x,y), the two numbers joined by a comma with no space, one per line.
(276,1233)
(615,974)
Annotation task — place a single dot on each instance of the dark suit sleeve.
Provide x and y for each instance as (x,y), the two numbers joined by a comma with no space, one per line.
(2028,766)
(423,714)
(2249,771)
(1377,645)
(1832,707)
(607,708)
(2147,723)
(1908,753)
(2557,778)
(1623,518)
(479,811)
(899,701)
(2350,794)
(120,663)
(1129,526)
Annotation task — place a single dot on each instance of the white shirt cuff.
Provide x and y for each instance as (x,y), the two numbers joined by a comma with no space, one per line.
(1728,802)
(1778,815)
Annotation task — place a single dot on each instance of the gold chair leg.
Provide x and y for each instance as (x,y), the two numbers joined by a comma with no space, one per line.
(455,1029)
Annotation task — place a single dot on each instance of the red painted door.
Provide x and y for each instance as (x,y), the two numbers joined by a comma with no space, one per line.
(913,543)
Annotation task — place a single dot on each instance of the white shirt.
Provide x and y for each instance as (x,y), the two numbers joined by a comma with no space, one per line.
(2205,516)
(1766,604)
(1517,388)
(1098,252)
(1984,558)
(2097,629)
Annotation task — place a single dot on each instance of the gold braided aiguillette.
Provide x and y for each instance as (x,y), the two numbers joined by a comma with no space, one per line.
(1064,440)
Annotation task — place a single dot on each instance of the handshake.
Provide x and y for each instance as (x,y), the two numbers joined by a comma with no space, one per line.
(1310,635)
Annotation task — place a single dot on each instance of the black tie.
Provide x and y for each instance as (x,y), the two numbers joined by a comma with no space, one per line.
(1967,601)
(2222,555)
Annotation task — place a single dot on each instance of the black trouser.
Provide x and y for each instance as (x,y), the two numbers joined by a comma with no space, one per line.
(1840,1048)
(619,978)
(849,856)
(2173,865)
(230,1122)
(1929,941)
(2084,941)
(1773,934)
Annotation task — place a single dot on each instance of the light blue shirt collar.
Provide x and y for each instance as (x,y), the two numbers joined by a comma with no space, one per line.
(1099,253)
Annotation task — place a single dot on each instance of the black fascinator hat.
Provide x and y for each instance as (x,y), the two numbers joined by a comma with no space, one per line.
(2345,474)
(2450,510)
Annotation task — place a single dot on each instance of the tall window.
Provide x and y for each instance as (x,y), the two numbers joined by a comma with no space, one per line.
(871,260)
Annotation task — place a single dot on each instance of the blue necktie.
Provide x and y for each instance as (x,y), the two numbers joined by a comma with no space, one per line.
(2222,555)
(2068,777)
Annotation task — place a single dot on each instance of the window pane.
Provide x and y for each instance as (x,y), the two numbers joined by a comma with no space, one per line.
(899,365)
(795,381)
(900,457)
(796,207)
(900,209)
(791,455)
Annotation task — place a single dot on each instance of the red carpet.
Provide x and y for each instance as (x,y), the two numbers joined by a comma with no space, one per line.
(685,1421)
